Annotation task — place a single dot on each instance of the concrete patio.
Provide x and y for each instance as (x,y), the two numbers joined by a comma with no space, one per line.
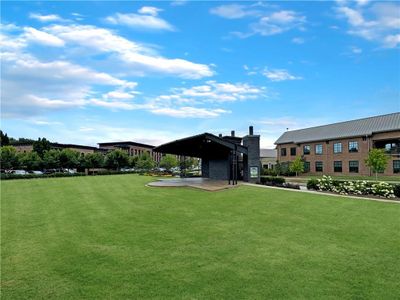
(199,183)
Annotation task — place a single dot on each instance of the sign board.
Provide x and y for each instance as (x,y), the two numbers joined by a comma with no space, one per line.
(253,172)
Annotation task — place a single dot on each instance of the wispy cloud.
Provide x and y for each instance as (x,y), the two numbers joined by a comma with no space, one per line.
(46,18)
(377,22)
(279,75)
(267,22)
(146,18)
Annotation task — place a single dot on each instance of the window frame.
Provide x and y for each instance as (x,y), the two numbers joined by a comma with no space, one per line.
(304,149)
(352,167)
(352,149)
(341,166)
(317,163)
(283,152)
(295,151)
(334,148)
(322,149)
(396,170)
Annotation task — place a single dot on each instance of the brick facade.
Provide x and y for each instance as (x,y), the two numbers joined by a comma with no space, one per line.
(328,156)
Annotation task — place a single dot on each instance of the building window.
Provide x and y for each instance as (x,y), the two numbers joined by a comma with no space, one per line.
(353,146)
(337,166)
(318,149)
(337,148)
(306,149)
(306,166)
(293,151)
(283,151)
(353,166)
(396,166)
(319,166)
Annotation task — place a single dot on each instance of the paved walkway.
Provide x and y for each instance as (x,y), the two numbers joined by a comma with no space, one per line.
(198,183)
(322,193)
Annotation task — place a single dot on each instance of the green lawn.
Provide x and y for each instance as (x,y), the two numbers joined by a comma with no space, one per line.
(112,237)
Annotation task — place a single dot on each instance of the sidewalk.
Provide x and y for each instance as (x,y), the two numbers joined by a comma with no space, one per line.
(321,193)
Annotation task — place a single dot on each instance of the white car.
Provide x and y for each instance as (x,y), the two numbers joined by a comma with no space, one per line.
(20,172)
(37,172)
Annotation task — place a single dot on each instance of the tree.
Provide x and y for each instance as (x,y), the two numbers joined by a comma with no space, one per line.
(94,160)
(168,162)
(51,159)
(40,146)
(145,162)
(133,161)
(8,157)
(297,166)
(4,140)
(377,161)
(69,159)
(116,159)
(30,160)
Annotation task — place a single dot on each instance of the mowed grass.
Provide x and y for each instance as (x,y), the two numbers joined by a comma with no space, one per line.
(112,237)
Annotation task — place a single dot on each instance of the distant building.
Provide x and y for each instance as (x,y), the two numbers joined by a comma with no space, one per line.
(132,149)
(28,147)
(268,158)
(341,148)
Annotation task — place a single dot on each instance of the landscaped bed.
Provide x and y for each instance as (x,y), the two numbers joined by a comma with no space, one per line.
(113,237)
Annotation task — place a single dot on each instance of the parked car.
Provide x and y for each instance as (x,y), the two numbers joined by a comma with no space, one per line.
(20,172)
(37,172)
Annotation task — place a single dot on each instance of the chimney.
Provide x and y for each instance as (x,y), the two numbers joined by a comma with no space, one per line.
(251,132)
(220,135)
(233,133)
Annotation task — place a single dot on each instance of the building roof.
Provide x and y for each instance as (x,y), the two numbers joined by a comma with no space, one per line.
(268,153)
(201,145)
(58,145)
(126,143)
(353,128)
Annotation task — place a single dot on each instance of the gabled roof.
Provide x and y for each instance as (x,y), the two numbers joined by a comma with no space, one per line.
(353,128)
(268,153)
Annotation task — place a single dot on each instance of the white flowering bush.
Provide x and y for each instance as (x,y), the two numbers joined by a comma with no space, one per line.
(357,187)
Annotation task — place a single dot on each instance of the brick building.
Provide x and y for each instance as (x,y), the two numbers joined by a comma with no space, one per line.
(132,149)
(341,148)
(28,147)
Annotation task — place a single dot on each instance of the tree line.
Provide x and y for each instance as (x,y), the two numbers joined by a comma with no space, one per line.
(43,157)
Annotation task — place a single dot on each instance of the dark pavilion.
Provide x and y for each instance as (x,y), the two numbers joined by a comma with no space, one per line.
(222,157)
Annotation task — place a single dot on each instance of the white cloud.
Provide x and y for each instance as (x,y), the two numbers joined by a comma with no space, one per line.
(356,50)
(179,2)
(133,56)
(234,11)
(41,37)
(298,40)
(377,22)
(147,18)
(149,10)
(267,22)
(279,75)
(189,112)
(45,18)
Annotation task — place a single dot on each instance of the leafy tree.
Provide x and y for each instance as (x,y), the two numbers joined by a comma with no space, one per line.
(94,160)
(116,159)
(51,159)
(377,161)
(4,140)
(145,162)
(8,157)
(133,161)
(69,158)
(30,160)
(297,166)
(168,162)
(41,146)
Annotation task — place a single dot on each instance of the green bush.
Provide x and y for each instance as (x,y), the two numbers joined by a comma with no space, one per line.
(396,190)
(272,180)
(312,184)
(4,176)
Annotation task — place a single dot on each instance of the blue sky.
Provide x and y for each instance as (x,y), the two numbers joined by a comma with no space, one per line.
(89,72)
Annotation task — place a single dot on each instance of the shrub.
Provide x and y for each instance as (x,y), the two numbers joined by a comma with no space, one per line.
(272,180)
(33,176)
(312,184)
(396,190)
